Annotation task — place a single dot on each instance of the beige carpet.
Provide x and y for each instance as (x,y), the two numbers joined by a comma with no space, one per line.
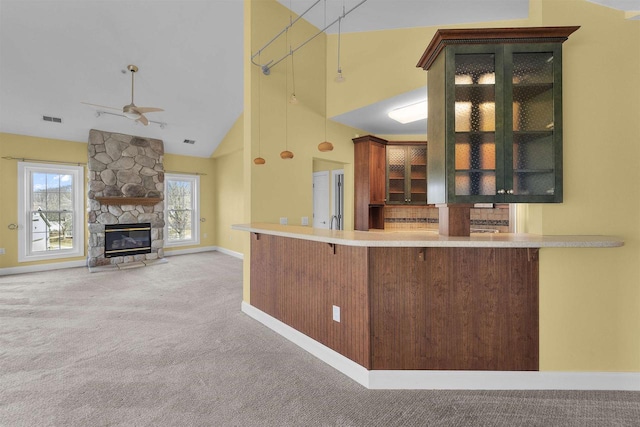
(168,346)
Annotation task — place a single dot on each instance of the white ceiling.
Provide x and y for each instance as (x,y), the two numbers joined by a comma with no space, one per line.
(55,54)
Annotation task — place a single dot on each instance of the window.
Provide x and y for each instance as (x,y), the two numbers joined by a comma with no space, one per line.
(50,208)
(182,210)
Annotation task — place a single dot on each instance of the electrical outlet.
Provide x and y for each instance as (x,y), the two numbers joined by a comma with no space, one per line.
(305,220)
(2,251)
(283,220)
(336,313)
(204,235)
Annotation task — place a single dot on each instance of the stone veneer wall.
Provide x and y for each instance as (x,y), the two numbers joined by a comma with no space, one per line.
(124,166)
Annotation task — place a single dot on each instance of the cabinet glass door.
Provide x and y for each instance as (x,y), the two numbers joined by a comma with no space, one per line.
(475,125)
(533,156)
(396,167)
(417,180)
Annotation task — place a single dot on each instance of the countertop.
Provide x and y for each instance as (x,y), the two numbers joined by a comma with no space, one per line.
(429,238)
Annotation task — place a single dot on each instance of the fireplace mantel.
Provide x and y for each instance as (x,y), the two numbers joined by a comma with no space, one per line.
(144,201)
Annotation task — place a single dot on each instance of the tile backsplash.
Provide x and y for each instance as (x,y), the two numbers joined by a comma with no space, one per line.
(426,218)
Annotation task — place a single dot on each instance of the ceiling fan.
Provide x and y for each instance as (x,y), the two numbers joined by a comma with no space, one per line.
(132,111)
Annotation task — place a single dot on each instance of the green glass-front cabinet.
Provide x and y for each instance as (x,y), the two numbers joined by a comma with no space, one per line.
(495,115)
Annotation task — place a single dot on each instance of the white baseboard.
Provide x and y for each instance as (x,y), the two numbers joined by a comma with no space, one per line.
(202,249)
(235,254)
(322,352)
(169,252)
(504,380)
(42,267)
(449,380)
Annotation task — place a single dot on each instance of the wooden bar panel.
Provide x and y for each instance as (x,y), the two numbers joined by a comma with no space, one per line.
(298,281)
(454,308)
(454,219)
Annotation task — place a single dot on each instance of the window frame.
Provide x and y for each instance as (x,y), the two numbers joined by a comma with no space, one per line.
(195,209)
(25,180)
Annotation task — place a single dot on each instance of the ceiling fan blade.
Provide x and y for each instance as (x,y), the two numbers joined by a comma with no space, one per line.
(142,119)
(101,106)
(142,110)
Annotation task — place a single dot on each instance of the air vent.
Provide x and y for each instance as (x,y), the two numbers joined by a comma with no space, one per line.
(52,119)
(189,141)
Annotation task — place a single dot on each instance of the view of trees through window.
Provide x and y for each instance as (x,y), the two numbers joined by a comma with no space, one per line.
(180,209)
(51,211)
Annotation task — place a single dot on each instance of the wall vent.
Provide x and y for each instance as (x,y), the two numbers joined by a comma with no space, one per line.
(52,119)
(189,141)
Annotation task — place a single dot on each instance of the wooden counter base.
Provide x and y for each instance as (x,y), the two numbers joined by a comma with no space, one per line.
(404,307)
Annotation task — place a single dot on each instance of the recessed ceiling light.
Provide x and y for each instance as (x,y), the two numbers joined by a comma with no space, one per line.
(410,113)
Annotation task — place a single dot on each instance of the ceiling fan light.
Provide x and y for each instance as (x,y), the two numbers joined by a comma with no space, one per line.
(130,112)
(132,115)
(325,146)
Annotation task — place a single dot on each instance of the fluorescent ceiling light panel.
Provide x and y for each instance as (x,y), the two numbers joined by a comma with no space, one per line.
(410,113)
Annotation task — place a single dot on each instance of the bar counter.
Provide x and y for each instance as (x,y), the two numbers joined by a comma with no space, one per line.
(399,302)
(428,239)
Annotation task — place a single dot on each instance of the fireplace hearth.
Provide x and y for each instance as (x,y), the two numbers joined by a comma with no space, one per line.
(127,239)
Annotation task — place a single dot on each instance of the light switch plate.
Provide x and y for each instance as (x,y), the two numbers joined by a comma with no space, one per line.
(305,220)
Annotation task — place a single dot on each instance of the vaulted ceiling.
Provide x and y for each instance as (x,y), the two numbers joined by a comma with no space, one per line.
(55,54)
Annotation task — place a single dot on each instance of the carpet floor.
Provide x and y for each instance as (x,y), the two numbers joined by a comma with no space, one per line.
(167,345)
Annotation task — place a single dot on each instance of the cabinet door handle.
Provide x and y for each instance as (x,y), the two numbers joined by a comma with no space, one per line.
(509,191)
(501,191)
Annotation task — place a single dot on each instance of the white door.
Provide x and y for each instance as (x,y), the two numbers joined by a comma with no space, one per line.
(321,216)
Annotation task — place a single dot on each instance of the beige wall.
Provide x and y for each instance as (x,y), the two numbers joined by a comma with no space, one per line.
(283,188)
(229,194)
(589,298)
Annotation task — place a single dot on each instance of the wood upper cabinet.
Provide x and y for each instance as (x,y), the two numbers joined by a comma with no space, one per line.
(369,186)
(495,115)
(407,173)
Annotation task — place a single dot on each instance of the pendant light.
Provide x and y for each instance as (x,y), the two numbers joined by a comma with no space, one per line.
(286,154)
(259,160)
(325,145)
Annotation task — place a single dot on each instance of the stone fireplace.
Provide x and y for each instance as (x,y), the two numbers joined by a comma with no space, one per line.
(126,188)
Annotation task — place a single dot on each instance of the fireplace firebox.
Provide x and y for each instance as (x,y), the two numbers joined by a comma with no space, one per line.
(127,239)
